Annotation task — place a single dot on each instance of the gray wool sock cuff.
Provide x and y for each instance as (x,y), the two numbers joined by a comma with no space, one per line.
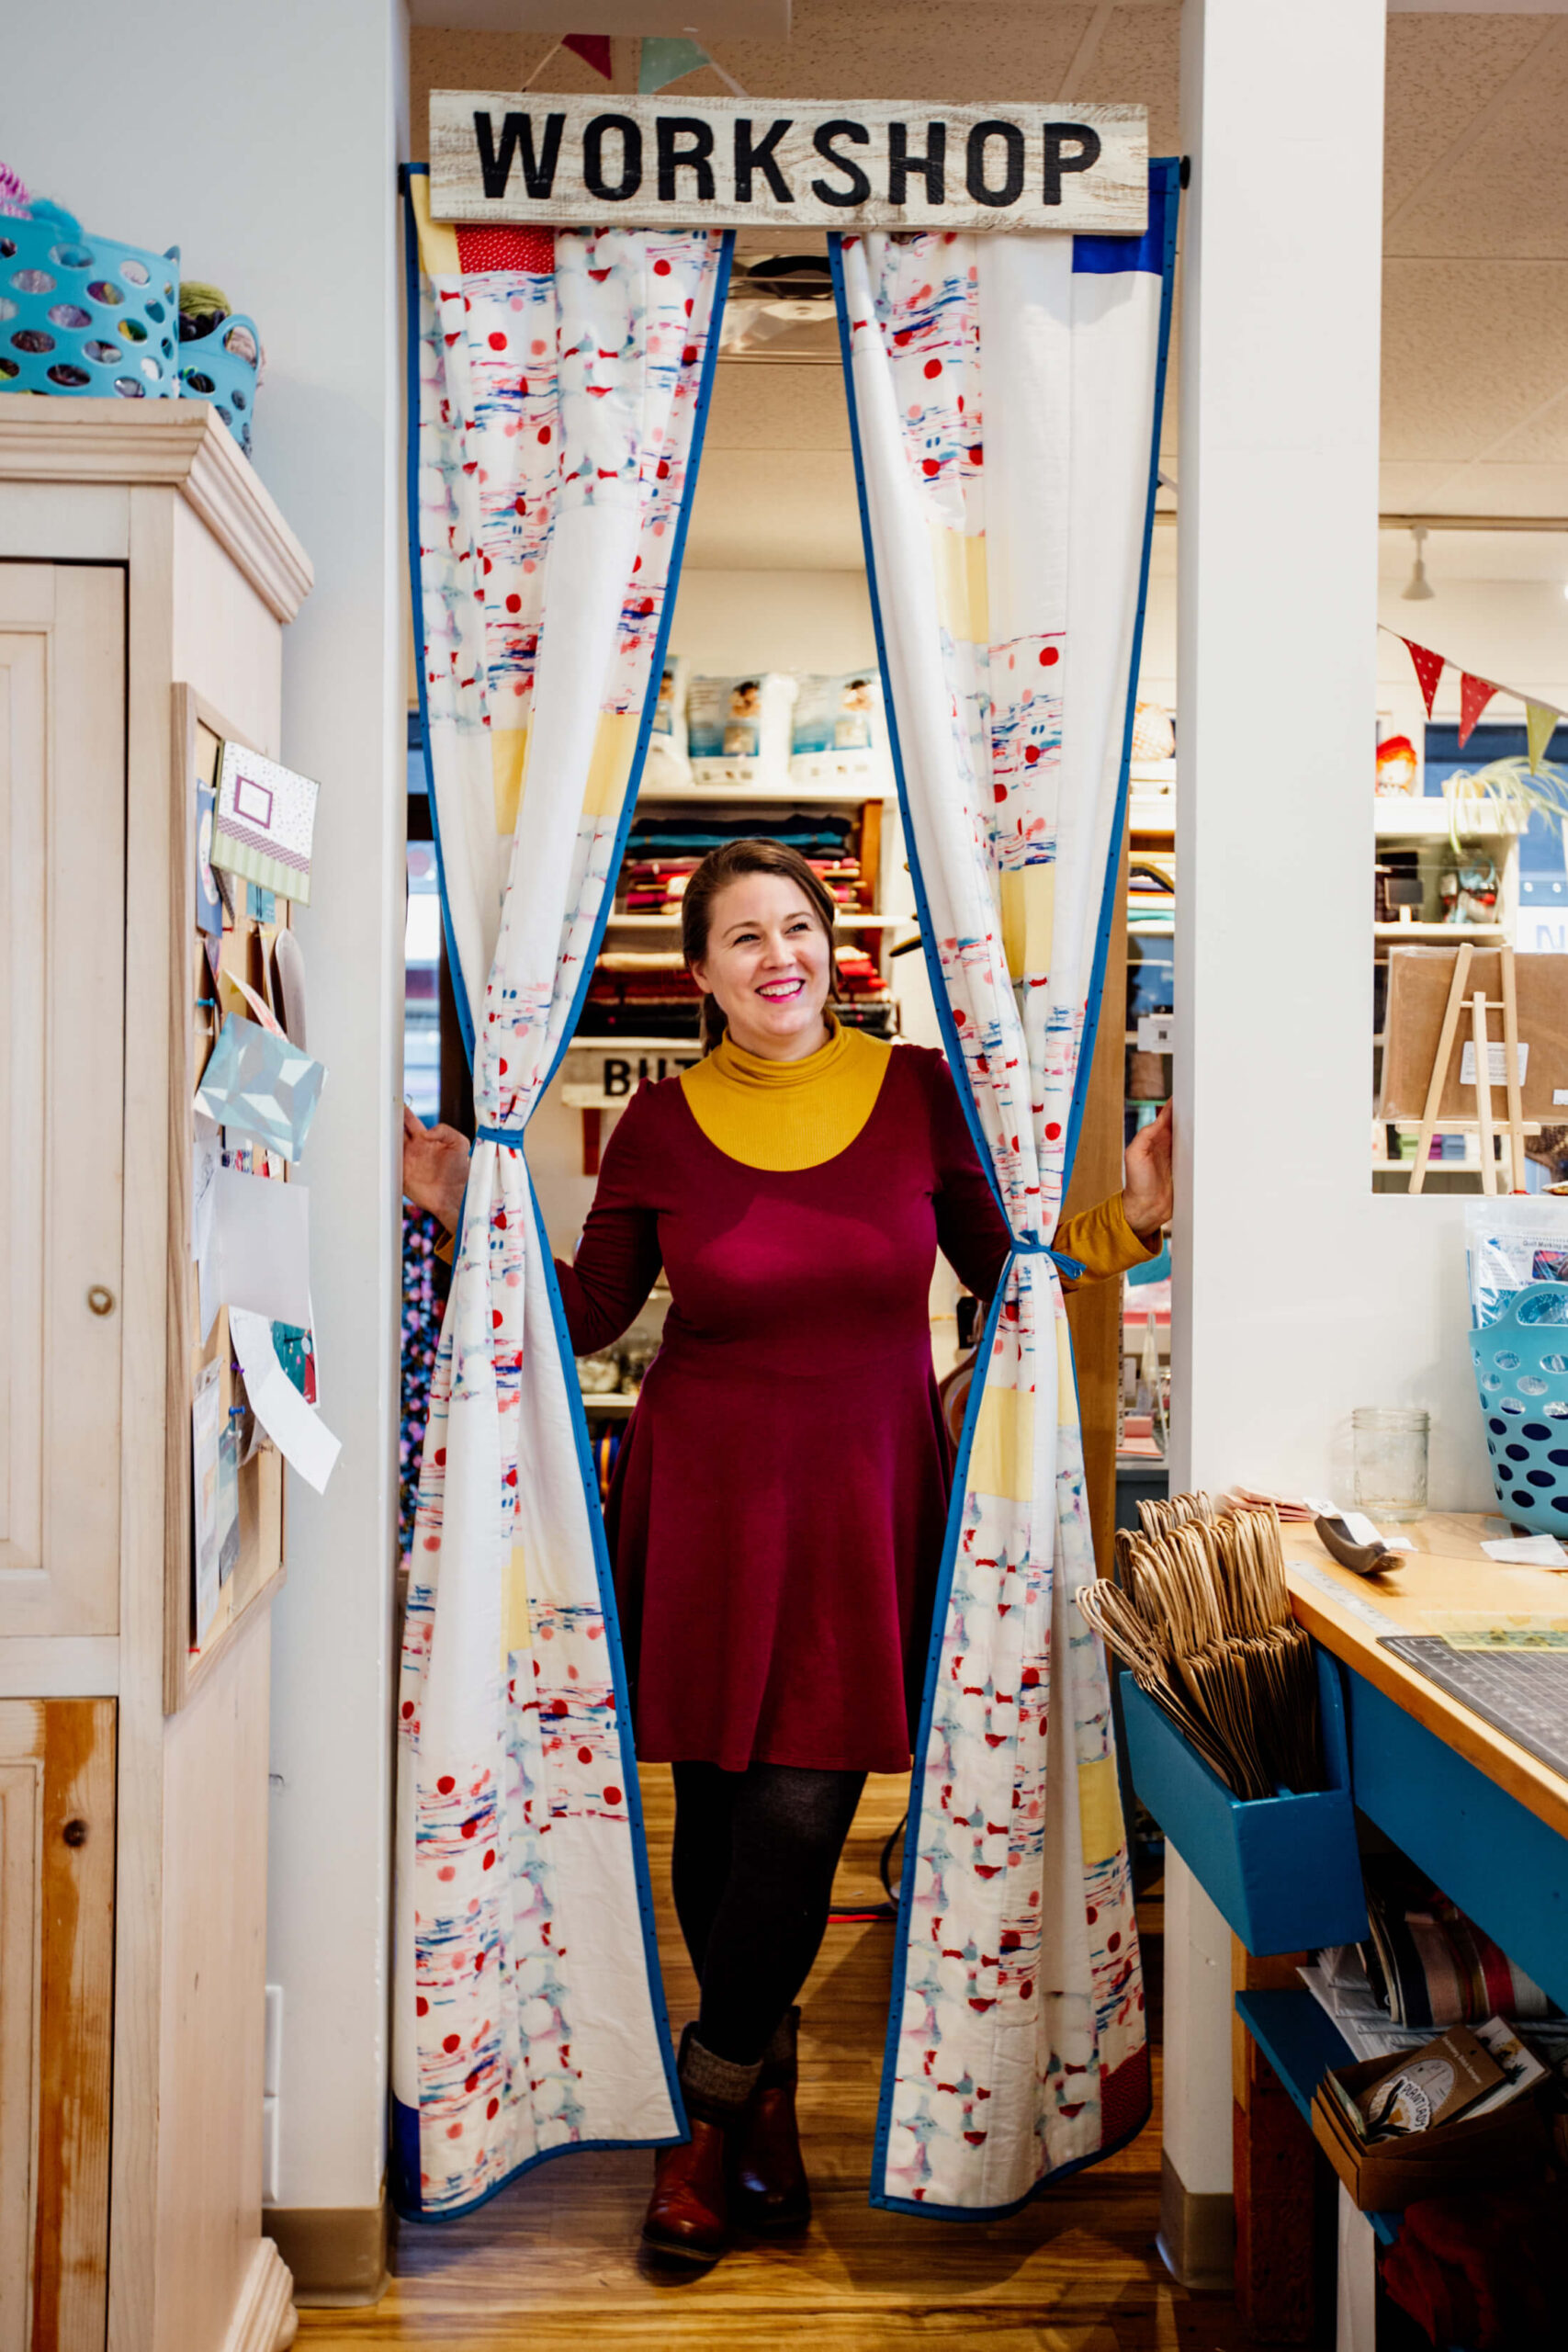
(781,2050)
(714,2082)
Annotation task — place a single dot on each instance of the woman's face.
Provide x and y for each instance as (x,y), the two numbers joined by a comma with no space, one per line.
(768,964)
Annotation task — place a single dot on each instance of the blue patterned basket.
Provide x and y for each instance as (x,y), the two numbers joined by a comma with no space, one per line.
(1521,1366)
(223,367)
(81,314)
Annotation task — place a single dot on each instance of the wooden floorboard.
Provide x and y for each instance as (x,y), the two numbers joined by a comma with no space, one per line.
(552,2264)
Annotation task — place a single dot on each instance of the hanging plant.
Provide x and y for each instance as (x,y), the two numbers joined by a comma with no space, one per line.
(1508,791)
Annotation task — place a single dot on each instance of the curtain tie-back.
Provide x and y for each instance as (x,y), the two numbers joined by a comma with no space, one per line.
(1070,1269)
(511,1137)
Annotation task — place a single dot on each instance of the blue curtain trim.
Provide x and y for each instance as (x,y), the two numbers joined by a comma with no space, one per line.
(405,2198)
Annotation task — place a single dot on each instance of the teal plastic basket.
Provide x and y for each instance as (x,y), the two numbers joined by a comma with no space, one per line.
(1522,1370)
(83,315)
(223,367)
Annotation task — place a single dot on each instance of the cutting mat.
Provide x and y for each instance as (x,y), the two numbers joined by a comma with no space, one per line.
(1522,1693)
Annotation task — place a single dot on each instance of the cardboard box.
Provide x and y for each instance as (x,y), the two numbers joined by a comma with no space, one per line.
(1418,980)
(1385,2175)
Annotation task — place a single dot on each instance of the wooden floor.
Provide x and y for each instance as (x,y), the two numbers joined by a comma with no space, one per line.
(552,2264)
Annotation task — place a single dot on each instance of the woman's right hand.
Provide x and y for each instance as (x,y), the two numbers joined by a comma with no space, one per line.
(435,1169)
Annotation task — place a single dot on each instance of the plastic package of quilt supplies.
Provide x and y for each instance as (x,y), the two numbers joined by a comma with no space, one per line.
(737,729)
(1511,1242)
(837,735)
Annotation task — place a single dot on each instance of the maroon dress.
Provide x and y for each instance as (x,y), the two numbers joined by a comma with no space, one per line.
(778,1508)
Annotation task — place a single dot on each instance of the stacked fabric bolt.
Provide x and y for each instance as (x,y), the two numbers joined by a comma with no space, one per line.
(840,877)
(655,885)
(859,974)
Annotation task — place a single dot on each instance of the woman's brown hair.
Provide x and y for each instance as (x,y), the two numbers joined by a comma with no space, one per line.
(717,870)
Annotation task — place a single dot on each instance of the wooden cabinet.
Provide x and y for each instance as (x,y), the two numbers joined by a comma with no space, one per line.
(56,1820)
(145,577)
(61,942)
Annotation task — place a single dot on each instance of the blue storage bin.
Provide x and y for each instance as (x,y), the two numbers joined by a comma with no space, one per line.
(223,367)
(1522,1370)
(82,315)
(1283,1870)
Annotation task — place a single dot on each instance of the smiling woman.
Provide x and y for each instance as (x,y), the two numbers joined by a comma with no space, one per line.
(778,1508)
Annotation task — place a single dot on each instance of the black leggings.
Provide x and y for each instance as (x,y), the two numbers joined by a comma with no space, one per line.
(752,1872)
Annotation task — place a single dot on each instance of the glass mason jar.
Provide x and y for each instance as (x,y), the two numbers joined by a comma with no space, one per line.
(1390,1460)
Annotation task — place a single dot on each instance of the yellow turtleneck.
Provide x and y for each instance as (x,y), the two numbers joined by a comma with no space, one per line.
(787,1114)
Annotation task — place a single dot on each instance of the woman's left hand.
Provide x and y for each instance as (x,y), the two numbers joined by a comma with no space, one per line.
(435,1168)
(1148,1190)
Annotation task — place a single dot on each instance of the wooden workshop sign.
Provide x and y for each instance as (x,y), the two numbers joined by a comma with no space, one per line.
(779,163)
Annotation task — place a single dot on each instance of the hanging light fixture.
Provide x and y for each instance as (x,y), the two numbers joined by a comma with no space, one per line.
(1419,587)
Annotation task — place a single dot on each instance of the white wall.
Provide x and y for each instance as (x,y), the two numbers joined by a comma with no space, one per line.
(1300,1294)
(262,141)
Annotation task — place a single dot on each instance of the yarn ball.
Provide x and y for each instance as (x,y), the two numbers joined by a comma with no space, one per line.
(13,197)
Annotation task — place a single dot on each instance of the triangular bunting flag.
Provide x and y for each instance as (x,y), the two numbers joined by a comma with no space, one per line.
(1540,721)
(593,47)
(663,61)
(1429,670)
(1475,694)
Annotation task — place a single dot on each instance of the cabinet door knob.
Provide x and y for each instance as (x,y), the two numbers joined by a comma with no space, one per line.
(100,1300)
(74,1833)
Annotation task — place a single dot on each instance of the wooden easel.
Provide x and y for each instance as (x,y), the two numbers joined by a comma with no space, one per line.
(1479,1009)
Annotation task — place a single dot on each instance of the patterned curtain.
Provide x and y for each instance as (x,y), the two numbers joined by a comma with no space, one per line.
(560,381)
(1005,396)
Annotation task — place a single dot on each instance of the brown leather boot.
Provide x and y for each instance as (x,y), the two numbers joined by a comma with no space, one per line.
(688,2214)
(772,2193)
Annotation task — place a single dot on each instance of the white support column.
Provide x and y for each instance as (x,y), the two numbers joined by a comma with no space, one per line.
(1298,1294)
(266,146)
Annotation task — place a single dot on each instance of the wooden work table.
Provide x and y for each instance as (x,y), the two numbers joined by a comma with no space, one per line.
(1486,1819)
(1447,1570)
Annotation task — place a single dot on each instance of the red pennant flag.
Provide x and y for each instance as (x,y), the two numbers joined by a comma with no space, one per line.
(1429,670)
(593,47)
(1475,694)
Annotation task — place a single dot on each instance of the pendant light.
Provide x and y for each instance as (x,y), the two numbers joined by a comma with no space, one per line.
(1419,587)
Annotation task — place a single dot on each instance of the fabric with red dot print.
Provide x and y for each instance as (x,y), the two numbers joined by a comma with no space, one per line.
(1004,401)
(559,374)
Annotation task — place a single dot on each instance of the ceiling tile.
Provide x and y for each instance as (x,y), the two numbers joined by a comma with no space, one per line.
(1470,351)
(757,406)
(1506,194)
(1441,71)
(1137,64)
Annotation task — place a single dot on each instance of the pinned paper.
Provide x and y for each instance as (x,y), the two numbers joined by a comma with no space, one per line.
(205,1428)
(288,986)
(228,1504)
(264,1015)
(1496,1061)
(208,905)
(257,1082)
(1429,669)
(294,1427)
(1475,694)
(266,817)
(259,1256)
(1541,724)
